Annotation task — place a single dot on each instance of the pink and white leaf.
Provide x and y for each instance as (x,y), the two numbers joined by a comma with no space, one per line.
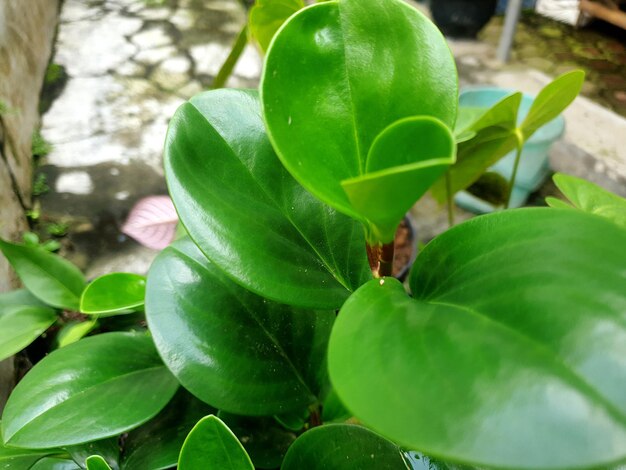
(152,222)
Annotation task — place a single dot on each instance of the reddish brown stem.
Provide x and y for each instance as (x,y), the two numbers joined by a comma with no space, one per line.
(380,258)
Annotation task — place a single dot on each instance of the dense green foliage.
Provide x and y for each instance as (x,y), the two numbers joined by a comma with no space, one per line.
(272,337)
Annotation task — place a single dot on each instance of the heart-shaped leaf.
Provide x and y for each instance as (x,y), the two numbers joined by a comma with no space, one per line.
(552,101)
(590,197)
(232,349)
(152,222)
(117,372)
(265,441)
(212,446)
(156,445)
(403,162)
(96,462)
(47,276)
(114,293)
(248,215)
(338,74)
(267,16)
(509,354)
(20,326)
(343,447)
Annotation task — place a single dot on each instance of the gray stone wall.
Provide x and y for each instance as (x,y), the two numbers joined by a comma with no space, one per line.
(27,30)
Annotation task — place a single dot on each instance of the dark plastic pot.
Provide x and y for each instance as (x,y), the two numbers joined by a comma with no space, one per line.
(462,18)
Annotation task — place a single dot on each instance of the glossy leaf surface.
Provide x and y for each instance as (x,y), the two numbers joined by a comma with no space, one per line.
(114,293)
(230,348)
(156,445)
(95,462)
(498,369)
(265,441)
(103,385)
(403,162)
(343,447)
(248,215)
(19,298)
(20,326)
(266,16)
(552,101)
(212,446)
(338,74)
(48,277)
(590,197)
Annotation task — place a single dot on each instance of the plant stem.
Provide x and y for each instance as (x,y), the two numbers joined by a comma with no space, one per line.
(380,258)
(449,199)
(229,64)
(518,155)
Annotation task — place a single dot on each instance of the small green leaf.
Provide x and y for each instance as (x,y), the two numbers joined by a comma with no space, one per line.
(591,198)
(212,446)
(552,101)
(156,444)
(367,60)
(20,326)
(293,421)
(47,276)
(95,462)
(74,331)
(272,359)
(108,449)
(117,372)
(256,223)
(267,16)
(333,410)
(343,447)
(14,459)
(494,137)
(403,162)
(517,323)
(265,441)
(114,294)
(51,463)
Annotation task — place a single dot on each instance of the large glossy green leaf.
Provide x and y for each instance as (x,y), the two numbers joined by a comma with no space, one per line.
(48,277)
(493,137)
(338,74)
(156,445)
(591,198)
(14,459)
(232,349)
(552,101)
(114,293)
(20,326)
(343,447)
(265,441)
(98,387)
(510,353)
(212,446)
(266,16)
(403,162)
(248,215)
(96,462)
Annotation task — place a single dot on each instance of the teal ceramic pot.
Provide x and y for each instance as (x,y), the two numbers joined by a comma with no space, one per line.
(534,165)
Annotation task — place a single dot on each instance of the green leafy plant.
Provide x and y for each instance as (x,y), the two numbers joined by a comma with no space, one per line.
(272,336)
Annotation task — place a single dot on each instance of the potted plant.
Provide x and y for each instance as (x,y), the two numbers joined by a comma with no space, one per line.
(462,18)
(274,337)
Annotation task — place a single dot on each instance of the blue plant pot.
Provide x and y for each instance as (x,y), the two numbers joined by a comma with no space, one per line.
(534,166)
